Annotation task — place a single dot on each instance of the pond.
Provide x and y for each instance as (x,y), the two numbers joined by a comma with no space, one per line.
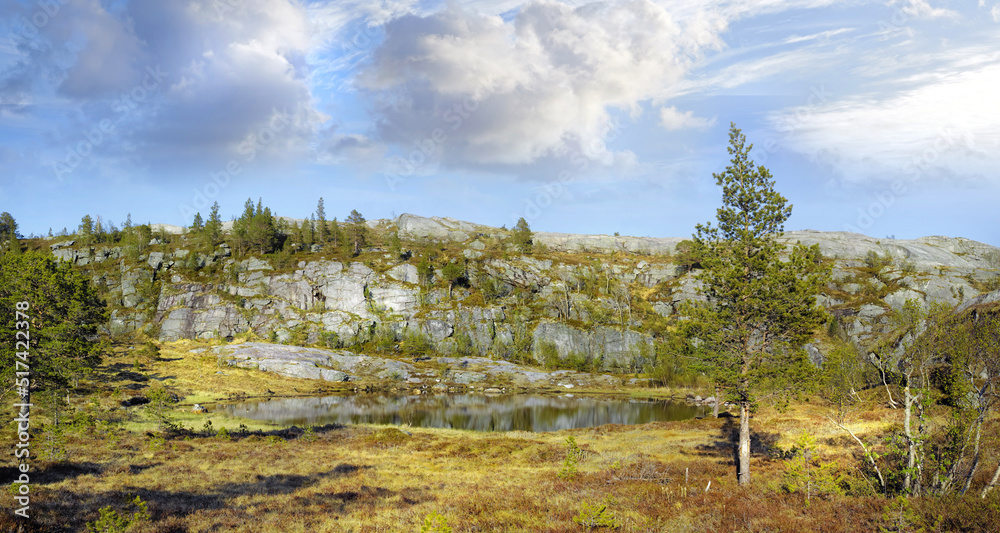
(522,412)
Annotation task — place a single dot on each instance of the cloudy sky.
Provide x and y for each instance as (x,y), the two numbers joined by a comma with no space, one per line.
(587,117)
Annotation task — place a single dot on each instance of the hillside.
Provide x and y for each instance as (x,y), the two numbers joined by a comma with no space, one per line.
(582,301)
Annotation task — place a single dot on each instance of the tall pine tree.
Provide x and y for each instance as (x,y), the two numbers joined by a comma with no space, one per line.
(761,305)
(357,231)
(60,316)
(321,222)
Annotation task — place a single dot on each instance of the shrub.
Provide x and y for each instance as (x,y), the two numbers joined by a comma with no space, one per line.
(806,474)
(597,515)
(112,521)
(416,343)
(573,456)
(463,344)
(331,340)
(549,353)
(149,352)
(435,523)
(875,261)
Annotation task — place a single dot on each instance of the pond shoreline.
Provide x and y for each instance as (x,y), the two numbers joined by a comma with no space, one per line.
(466,411)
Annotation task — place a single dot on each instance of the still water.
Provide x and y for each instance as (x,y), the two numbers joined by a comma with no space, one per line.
(465,411)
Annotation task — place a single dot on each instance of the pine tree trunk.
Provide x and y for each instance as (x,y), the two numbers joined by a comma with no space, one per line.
(715,408)
(743,464)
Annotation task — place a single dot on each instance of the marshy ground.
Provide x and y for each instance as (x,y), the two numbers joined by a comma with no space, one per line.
(669,476)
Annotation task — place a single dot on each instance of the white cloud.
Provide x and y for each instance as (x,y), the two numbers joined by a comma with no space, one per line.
(995,13)
(672,119)
(944,126)
(921,9)
(554,74)
(821,35)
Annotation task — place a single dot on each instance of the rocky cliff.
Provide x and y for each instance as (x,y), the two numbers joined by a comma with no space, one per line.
(593,299)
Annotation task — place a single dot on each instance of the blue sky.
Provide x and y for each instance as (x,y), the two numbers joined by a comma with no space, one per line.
(877,117)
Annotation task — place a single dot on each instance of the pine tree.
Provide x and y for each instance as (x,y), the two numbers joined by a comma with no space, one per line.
(522,235)
(255,230)
(321,221)
(63,314)
(310,229)
(197,224)
(357,231)
(8,233)
(8,227)
(335,234)
(761,307)
(86,229)
(213,227)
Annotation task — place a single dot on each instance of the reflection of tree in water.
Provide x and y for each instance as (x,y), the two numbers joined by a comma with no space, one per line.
(465,411)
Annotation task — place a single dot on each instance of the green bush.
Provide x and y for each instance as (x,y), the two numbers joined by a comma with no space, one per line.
(113,521)
(549,353)
(876,262)
(805,473)
(597,515)
(573,456)
(331,340)
(463,344)
(491,288)
(435,523)
(415,343)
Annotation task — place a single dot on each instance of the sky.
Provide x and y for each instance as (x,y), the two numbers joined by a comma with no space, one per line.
(583,117)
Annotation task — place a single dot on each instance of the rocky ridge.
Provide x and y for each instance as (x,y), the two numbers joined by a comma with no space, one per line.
(593,297)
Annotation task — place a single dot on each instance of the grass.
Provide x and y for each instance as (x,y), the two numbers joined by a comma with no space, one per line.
(647,478)
(381,478)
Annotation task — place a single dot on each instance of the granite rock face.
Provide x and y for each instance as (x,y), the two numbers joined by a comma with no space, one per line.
(578,297)
(613,348)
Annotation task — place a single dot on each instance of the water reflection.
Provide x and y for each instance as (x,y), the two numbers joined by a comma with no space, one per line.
(465,411)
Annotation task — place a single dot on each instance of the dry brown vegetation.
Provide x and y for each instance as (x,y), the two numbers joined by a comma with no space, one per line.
(369,479)
(648,478)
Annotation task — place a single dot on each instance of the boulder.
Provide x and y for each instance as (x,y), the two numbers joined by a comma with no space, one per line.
(155,260)
(396,299)
(437,330)
(616,348)
(416,227)
(983,299)
(256,264)
(405,273)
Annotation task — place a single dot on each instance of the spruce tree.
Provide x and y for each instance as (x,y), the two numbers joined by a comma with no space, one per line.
(761,305)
